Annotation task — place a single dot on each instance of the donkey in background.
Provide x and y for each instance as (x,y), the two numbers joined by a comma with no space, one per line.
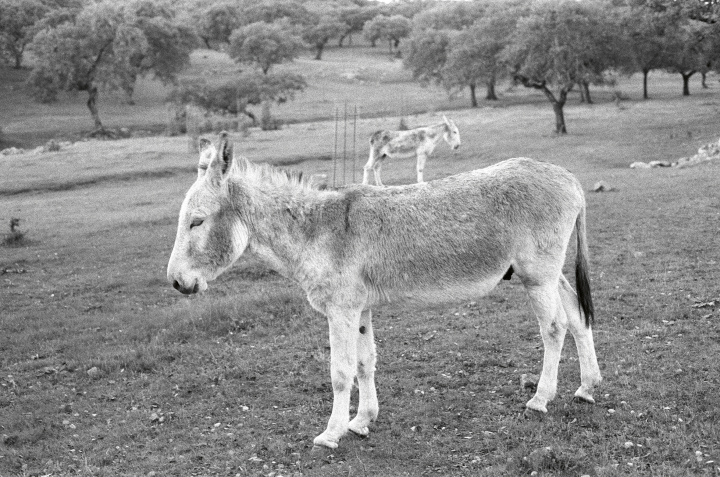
(354,248)
(418,142)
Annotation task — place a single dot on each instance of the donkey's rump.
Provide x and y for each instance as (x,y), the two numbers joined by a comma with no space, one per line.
(457,236)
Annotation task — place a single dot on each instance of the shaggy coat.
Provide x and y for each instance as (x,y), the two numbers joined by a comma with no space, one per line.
(354,248)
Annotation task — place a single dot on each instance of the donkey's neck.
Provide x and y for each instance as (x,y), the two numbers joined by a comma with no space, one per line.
(435,132)
(277,219)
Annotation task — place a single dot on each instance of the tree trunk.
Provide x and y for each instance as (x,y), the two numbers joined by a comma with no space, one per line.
(558,104)
(559,118)
(473,97)
(318,55)
(585,92)
(645,88)
(129,92)
(18,60)
(490,90)
(704,76)
(92,106)
(686,82)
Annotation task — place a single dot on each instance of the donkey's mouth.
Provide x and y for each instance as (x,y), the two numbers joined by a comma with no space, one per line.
(186,290)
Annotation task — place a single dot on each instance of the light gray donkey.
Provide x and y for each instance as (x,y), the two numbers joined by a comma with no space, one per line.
(353,248)
(418,142)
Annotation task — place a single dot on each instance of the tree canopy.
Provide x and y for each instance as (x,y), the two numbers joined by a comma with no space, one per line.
(234,96)
(388,28)
(556,46)
(107,45)
(264,45)
(18,25)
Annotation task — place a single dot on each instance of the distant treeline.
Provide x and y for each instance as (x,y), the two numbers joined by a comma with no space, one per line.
(550,45)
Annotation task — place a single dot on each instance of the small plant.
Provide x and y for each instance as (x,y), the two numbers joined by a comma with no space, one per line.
(15,238)
(52,146)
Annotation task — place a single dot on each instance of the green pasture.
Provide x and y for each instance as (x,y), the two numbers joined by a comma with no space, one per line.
(106,370)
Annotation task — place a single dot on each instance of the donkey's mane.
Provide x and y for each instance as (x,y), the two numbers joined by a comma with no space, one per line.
(264,174)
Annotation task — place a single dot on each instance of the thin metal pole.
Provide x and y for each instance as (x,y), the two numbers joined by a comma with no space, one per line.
(355,116)
(344,142)
(335,149)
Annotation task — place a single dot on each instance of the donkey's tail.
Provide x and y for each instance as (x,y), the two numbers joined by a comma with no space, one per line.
(582,280)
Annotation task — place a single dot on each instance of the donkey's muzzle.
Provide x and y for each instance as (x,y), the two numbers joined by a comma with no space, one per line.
(186,290)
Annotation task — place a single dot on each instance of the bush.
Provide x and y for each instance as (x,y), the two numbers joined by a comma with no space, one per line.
(15,238)
(52,146)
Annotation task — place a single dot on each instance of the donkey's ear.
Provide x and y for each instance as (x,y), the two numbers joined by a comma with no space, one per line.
(203,144)
(447,121)
(225,153)
(207,153)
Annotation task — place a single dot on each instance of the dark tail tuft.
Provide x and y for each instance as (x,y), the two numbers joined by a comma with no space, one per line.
(582,278)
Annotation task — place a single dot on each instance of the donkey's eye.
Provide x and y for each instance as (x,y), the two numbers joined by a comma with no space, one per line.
(195,223)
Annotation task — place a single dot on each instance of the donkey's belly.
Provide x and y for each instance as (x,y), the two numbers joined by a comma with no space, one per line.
(439,292)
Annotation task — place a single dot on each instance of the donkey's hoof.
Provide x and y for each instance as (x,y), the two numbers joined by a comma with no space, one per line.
(359,431)
(533,415)
(536,404)
(584,395)
(324,441)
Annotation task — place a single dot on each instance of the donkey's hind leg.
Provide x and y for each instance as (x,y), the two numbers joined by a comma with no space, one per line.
(545,301)
(589,369)
(368,403)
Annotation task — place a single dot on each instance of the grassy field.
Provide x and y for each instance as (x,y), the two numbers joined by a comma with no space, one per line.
(106,370)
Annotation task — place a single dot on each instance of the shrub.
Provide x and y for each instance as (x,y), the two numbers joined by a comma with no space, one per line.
(52,146)
(15,238)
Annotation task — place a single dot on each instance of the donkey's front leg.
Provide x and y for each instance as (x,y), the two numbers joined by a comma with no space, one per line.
(343,358)
(421,159)
(368,403)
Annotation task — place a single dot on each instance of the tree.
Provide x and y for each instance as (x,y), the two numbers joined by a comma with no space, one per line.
(647,40)
(216,22)
(264,45)
(474,56)
(691,50)
(98,48)
(393,29)
(551,48)
(355,18)
(169,44)
(18,19)
(425,54)
(234,96)
(272,11)
(449,16)
(321,31)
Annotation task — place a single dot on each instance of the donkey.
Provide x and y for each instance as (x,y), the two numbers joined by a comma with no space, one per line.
(418,142)
(353,248)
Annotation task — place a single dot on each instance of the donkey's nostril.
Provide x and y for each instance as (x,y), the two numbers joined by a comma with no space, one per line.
(196,288)
(176,285)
